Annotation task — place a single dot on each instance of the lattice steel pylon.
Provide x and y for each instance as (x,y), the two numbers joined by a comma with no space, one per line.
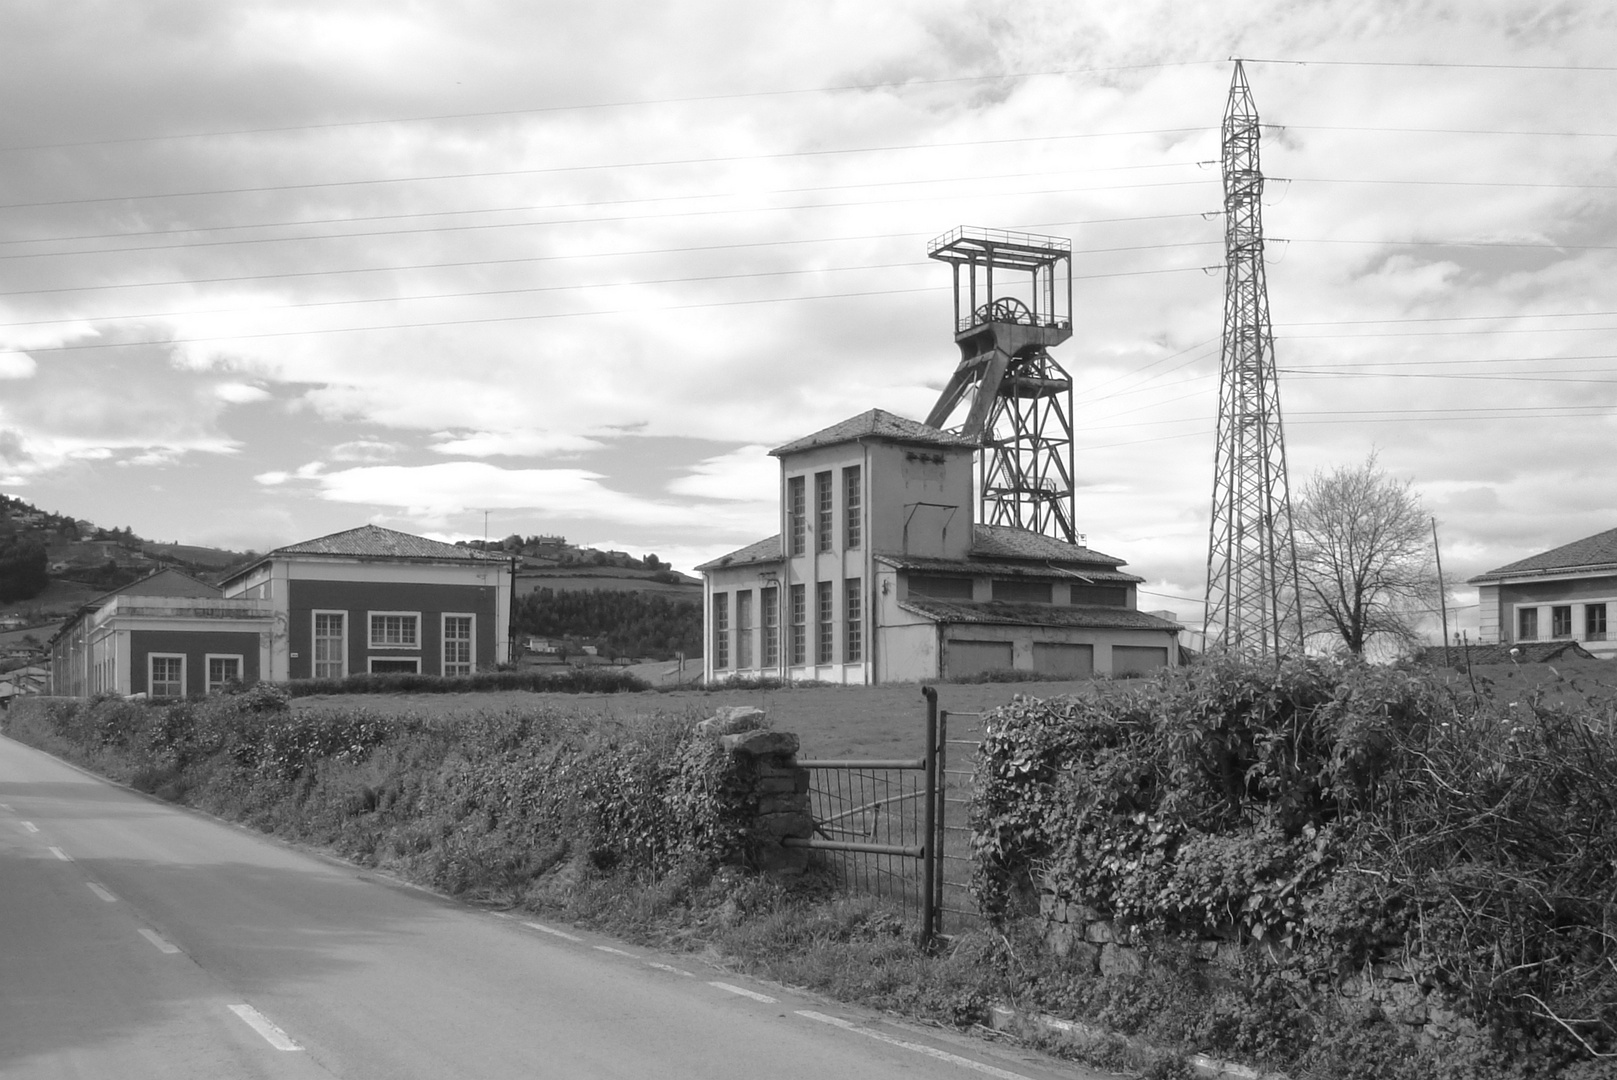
(1252,584)
(1020,411)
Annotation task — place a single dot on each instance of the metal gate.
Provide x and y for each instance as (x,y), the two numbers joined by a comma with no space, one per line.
(879,824)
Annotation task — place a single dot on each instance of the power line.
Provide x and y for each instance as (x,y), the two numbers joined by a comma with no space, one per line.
(584,106)
(661,163)
(1431,64)
(1444,131)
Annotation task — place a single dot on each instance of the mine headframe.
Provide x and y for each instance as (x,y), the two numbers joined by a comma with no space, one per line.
(1012,303)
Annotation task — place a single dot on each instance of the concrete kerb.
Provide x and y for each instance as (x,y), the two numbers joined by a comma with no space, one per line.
(1005,1018)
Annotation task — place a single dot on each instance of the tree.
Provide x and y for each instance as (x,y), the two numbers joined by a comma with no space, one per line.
(1364,558)
(23,574)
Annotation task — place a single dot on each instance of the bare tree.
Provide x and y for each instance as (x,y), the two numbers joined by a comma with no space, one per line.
(1364,556)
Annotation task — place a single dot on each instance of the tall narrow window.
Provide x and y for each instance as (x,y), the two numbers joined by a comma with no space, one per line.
(850,505)
(1527,624)
(853,639)
(823,500)
(1594,622)
(721,630)
(769,604)
(824,604)
(329,641)
(799,625)
(457,644)
(797,510)
(1561,621)
(744,629)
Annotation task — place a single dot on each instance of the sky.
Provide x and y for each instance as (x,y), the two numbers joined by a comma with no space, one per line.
(269,270)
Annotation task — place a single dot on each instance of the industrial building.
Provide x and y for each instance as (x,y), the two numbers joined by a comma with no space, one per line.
(881,573)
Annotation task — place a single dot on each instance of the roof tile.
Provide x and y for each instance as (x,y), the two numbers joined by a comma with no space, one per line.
(375,542)
(766,550)
(1599,550)
(1004,613)
(875,424)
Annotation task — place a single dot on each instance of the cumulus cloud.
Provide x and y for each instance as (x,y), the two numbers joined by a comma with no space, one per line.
(482,444)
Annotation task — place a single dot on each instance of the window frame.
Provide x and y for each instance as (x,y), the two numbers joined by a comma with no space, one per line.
(721,631)
(853,630)
(314,643)
(852,506)
(824,512)
(799,653)
(825,622)
(769,623)
(743,620)
(208,685)
(370,629)
(151,678)
(444,641)
(1589,631)
(372,661)
(1524,616)
(1560,622)
(797,513)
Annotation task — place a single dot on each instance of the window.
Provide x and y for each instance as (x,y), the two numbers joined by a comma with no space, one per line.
(824,599)
(395,629)
(850,505)
(1022,590)
(1101,595)
(1527,624)
(1594,622)
(1561,621)
(853,638)
(941,588)
(822,519)
(798,511)
(799,625)
(721,630)
(769,604)
(330,645)
(395,665)
(222,670)
(165,675)
(744,629)
(458,638)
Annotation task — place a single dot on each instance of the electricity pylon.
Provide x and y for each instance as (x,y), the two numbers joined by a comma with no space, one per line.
(1253,597)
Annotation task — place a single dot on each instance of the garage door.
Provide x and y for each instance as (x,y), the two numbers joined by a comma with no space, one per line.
(1063,661)
(1137,659)
(968,658)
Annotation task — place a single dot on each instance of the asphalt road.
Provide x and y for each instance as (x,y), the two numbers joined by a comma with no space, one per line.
(141,940)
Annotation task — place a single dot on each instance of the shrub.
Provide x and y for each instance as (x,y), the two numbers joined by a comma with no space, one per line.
(591,680)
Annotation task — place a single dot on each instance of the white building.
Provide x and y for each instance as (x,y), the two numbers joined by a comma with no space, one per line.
(880,574)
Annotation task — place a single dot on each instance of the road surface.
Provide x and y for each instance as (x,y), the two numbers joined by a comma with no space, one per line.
(141,940)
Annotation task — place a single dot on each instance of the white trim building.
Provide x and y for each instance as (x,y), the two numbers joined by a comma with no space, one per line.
(1567,593)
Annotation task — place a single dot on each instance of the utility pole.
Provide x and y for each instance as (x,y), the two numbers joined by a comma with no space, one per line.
(1253,594)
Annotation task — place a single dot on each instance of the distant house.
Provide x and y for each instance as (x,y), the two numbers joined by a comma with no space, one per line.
(377,600)
(1564,594)
(880,574)
(166,635)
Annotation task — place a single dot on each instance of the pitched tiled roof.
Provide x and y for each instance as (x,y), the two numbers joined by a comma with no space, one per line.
(767,550)
(375,542)
(1592,552)
(875,424)
(1004,613)
(1009,542)
(1101,573)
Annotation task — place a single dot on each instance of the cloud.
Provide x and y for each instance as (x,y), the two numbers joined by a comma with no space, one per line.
(366,450)
(747,474)
(481,444)
(240,393)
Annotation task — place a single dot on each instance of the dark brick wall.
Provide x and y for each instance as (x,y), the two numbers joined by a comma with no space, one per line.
(359,598)
(196,645)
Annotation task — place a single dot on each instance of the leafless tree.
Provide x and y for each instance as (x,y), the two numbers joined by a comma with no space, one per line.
(1365,558)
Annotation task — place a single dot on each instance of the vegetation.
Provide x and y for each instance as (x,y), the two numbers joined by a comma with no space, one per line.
(628,623)
(564,681)
(1364,558)
(23,573)
(1345,815)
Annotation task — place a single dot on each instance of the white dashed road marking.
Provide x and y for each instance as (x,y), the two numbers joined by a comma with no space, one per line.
(744,992)
(670,968)
(551,930)
(30,826)
(919,1048)
(163,944)
(6,807)
(60,854)
(261,1024)
(103,893)
(616,952)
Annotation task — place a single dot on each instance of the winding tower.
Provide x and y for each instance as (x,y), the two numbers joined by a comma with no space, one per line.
(1252,584)
(1018,398)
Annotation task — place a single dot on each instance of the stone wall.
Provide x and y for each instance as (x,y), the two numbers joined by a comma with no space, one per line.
(774,787)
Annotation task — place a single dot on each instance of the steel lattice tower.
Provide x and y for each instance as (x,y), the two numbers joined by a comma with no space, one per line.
(1020,410)
(1252,584)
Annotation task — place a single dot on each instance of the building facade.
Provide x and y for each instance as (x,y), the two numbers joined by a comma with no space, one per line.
(166,635)
(1564,594)
(880,574)
(374,600)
